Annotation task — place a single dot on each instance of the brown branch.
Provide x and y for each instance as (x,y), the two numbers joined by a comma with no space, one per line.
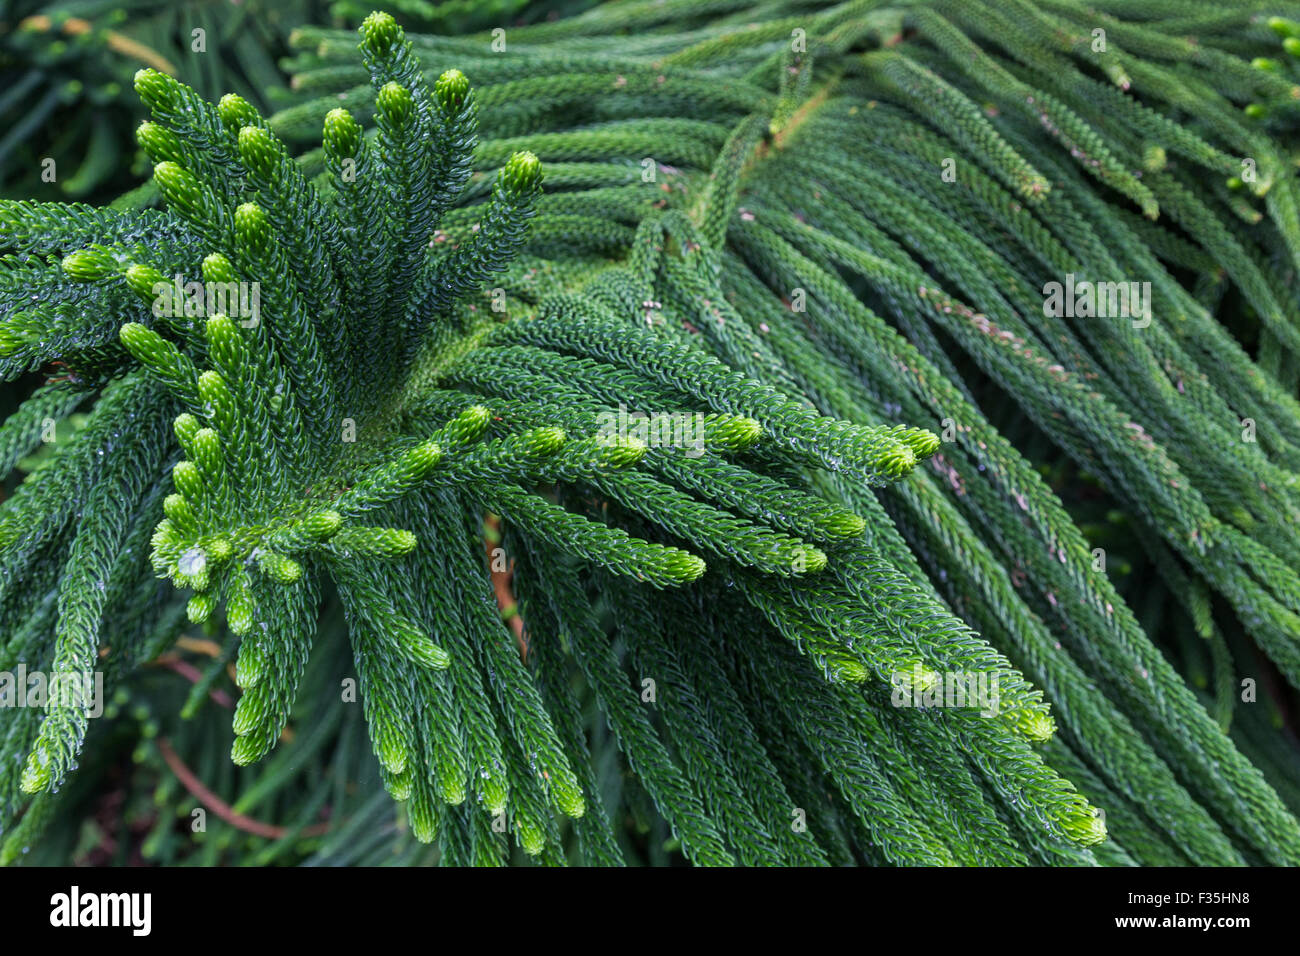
(199,645)
(75,26)
(193,675)
(222,809)
(503,589)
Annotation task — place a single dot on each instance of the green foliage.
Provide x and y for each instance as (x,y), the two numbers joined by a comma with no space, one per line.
(813,249)
(65,73)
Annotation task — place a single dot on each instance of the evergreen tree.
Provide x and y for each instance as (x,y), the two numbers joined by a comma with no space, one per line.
(674,395)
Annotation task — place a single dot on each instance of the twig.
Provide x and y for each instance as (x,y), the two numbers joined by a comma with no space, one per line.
(222,809)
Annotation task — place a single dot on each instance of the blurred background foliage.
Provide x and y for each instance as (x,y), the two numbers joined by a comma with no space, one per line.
(66,68)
